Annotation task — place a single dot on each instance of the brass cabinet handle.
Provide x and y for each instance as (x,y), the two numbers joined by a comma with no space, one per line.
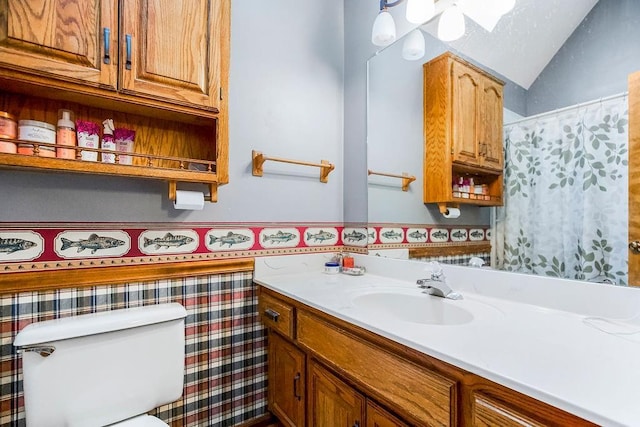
(296,381)
(634,247)
(128,48)
(272,314)
(106,34)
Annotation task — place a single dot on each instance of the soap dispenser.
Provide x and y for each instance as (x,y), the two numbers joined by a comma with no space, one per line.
(66,134)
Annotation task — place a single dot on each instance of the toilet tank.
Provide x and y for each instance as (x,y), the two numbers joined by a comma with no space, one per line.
(103,367)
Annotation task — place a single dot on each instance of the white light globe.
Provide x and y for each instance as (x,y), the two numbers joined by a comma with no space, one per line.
(451,25)
(384,29)
(413,46)
(420,11)
(504,6)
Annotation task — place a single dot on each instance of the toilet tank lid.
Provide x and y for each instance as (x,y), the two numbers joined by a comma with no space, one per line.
(96,323)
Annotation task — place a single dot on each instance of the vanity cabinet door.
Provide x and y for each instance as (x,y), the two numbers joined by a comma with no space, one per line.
(378,417)
(333,403)
(286,381)
(64,40)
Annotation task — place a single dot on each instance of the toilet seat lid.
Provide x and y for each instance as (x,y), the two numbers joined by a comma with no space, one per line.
(141,421)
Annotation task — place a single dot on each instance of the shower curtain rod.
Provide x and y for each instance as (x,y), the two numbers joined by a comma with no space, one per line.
(560,110)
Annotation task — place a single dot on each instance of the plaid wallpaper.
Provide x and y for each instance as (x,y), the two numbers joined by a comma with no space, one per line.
(225,380)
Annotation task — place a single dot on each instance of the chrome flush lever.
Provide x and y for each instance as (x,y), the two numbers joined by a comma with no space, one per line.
(42,350)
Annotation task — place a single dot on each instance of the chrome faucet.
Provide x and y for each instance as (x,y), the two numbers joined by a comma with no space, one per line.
(436,285)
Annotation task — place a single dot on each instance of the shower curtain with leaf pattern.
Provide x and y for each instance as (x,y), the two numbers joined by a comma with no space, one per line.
(565,211)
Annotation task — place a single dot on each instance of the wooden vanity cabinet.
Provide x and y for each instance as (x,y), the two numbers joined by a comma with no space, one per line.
(463,109)
(161,49)
(357,378)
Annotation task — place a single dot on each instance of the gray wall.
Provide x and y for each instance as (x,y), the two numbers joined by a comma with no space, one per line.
(594,62)
(286,99)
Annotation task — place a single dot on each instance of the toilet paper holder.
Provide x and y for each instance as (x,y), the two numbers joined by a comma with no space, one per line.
(211,197)
(444,208)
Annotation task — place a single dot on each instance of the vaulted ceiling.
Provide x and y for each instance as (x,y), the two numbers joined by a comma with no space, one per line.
(525,40)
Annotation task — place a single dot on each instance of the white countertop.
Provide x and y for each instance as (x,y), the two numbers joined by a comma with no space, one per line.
(532,334)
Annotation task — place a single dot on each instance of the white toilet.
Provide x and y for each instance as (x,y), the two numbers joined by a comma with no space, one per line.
(103,369)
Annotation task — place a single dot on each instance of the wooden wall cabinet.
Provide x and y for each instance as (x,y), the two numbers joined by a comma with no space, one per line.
(61,40)
(161,49)
(355,378)
(463,131)
(159,67)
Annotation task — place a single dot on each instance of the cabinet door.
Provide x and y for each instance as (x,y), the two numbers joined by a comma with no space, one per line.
(61,39)
(172,50)
(465,121)
(332,403)
(491,135)
(378,417)
(286,381)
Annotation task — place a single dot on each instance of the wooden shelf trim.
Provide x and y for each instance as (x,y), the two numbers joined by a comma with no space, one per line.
(29,281)
(405,177)
(466,249)
(99,168)
(258,160)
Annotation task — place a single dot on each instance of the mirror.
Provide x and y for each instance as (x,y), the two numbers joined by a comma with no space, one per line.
(551,55)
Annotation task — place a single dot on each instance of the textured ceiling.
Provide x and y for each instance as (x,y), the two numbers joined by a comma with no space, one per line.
(524,40)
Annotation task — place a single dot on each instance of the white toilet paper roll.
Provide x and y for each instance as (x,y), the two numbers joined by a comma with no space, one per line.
(193,200)
(451,213)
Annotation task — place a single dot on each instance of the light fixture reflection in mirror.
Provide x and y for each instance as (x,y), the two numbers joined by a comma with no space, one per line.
(451,26)
(413,46)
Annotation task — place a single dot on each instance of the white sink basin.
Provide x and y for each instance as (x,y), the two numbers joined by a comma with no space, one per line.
(416,308)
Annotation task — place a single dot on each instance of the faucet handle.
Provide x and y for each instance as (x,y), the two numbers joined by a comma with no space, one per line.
(437,273)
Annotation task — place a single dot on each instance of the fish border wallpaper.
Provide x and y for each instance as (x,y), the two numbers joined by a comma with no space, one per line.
(52,246)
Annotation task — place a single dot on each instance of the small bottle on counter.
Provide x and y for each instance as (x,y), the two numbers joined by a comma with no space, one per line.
(348,261)
(66,135)
(108,143)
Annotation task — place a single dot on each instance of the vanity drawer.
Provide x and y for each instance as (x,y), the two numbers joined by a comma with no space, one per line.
(488,412)
(277,315)
(417,394)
